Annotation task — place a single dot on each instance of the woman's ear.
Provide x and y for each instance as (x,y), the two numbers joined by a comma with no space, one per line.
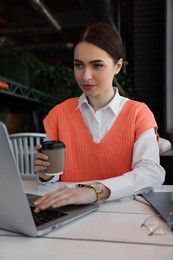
(118,66)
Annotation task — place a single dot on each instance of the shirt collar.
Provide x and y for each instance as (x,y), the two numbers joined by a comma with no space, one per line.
(114,104)
(82,100)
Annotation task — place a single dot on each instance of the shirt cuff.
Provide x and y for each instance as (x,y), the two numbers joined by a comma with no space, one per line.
(120,187)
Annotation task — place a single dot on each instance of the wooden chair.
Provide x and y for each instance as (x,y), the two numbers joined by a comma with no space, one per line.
(23,146)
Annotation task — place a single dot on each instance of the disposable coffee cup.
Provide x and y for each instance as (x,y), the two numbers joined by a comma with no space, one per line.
(55,150)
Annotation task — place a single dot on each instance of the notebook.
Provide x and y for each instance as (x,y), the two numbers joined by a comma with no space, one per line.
(16,214)
(162,202)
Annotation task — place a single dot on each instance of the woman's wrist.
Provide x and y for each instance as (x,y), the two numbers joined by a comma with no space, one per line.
(43,177)
(45,180)
(102,192)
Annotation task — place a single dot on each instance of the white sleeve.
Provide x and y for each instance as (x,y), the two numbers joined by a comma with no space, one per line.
(147,174)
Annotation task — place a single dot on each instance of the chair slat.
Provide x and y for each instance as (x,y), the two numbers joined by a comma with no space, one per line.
(23,146)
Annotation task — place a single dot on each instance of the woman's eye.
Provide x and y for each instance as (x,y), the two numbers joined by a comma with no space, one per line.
(97,66)
(78,65)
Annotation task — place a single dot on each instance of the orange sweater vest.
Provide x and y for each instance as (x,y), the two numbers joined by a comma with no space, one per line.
(86,160)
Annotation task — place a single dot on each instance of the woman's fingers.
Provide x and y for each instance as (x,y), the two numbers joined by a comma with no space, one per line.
(40,163)
(62,197)
(41,156)
(40,167)
(38,147)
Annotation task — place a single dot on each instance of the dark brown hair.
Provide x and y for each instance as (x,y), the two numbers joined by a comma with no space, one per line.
(107,38)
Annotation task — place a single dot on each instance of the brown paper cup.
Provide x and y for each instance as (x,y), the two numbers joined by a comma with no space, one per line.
(55,150)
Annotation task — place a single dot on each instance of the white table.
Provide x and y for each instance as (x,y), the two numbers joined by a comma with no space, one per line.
(113,232)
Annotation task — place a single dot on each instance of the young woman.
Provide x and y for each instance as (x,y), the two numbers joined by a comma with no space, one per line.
(111,141)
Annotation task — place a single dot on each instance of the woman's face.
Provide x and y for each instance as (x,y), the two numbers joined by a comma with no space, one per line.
(94,69)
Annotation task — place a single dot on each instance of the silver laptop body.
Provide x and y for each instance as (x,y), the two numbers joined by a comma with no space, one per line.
(15,213)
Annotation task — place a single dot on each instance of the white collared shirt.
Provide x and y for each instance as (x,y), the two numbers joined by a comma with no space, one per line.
(147,173)
(100,122)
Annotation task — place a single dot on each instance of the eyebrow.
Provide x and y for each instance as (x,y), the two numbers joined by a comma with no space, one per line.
(93,61)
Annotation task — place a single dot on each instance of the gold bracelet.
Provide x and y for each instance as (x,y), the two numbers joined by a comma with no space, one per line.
(96,187)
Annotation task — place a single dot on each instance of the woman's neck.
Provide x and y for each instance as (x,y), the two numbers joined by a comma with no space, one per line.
(100,101)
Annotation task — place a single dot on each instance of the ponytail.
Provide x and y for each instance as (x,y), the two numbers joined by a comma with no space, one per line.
(120,89)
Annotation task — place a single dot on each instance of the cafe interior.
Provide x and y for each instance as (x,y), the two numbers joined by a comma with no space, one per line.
(36,63)
(36,40)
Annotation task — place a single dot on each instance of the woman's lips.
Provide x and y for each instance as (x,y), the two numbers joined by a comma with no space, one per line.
(88,86)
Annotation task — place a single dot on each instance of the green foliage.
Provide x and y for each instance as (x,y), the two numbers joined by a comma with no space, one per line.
(57,80)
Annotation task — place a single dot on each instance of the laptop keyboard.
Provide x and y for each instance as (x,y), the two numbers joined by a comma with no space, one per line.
(46,216)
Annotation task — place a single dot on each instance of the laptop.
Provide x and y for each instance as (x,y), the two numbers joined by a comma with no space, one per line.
(16,206)
(162,202)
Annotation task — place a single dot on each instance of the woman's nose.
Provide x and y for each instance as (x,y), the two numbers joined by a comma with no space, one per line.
(87,75)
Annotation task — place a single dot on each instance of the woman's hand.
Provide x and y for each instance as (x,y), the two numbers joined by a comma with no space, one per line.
(65,196)
(41,163)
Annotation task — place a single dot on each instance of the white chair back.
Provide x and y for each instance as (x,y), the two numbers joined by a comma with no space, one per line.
(164,145)
(23,146)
